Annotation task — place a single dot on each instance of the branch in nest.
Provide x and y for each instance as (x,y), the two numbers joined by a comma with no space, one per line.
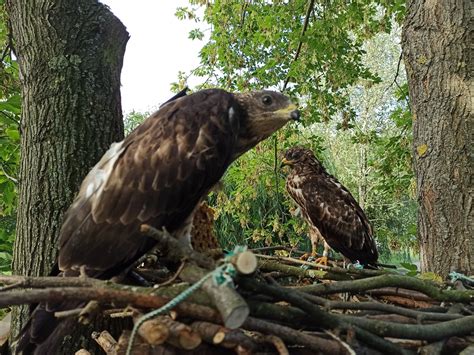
(388,280)
(293,336)
(325,320)
(222,336)
(332,273)
(382,307)
(175,250)
(181,335)
(106,341)
(116,297)
(432,332)
(230,304)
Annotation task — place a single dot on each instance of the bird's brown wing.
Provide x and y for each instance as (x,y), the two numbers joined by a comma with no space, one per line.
(331,208)
(157,175)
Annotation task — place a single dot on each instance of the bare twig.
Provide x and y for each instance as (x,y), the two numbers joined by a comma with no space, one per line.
(300,44)
(390,280)
(174,277)
(382,307)
(293,336)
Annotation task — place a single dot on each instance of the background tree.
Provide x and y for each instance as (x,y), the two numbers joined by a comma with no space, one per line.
(70,56)
(440,66)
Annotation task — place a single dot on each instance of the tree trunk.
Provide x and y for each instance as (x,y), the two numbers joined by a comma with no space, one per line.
(439,66)
(70,54)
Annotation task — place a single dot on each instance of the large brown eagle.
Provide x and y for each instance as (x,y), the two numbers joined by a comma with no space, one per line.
(157,175)
(329,207)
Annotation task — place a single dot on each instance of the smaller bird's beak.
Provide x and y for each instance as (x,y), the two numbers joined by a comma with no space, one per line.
(285,162)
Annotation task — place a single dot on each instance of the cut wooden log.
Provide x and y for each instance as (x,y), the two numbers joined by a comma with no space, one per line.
(231,306)
(181,335)
(153,331)
(245,262)
(106,341)
(227,338)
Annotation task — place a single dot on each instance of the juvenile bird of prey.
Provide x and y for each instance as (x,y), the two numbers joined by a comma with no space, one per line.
(328,206)
(157,175)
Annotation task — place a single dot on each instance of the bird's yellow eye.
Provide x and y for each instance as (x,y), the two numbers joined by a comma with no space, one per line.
(267,100)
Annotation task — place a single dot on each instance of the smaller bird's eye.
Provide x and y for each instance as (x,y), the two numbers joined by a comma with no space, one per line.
(267,100)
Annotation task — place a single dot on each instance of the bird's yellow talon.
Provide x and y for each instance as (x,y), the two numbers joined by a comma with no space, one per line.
(322,260)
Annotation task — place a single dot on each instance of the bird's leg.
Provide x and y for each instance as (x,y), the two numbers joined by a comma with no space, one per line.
(324,259)
(83,272)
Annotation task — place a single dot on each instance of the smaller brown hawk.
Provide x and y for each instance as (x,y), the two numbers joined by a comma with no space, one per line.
(329,207)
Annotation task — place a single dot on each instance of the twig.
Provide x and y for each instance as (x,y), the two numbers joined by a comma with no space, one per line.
(48,281)
(396,74)
(11,118)
(325,320)
(69,313)
(382,307)
(300,44)
(175,250)
(5,52)
(11,286)
(174,277)
(278,344)
(431,332)
(353,272)
(391,280)
(343,343)
(293,336)
(106,342)
(118,297)
(11,178)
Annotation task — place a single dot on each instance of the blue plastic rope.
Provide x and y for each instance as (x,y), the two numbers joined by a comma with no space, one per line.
(458,276)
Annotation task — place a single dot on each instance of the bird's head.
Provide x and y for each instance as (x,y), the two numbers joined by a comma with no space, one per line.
(298,156)
(264,112)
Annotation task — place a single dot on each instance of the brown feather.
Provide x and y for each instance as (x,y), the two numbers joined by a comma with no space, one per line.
(167,165)
(327,205)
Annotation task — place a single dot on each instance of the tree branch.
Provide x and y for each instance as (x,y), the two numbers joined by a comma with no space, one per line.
(300,44)
(390,280)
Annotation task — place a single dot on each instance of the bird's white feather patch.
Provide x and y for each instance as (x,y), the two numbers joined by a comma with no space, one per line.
(100,173)
(231,113)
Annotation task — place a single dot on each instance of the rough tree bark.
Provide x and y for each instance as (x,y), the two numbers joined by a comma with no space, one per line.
(70,54)
(439,64)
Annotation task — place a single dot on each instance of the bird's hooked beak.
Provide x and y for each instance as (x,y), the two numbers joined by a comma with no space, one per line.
(290,112)
(285,162)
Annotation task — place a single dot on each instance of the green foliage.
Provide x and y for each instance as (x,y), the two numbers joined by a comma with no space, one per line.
(10,107)
(340,60)
(132,120)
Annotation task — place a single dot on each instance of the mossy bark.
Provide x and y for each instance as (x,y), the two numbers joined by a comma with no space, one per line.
(70,54)
(440,64)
